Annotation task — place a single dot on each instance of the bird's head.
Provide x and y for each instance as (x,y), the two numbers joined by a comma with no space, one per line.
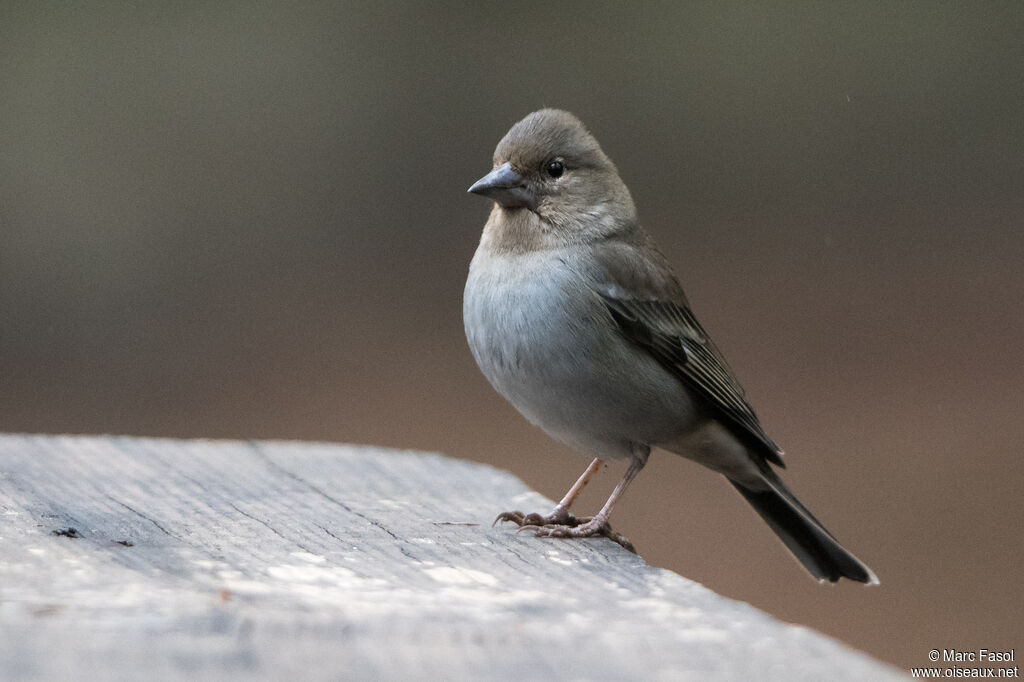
(550,166)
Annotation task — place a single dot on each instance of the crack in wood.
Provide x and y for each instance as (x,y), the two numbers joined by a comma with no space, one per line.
(295,477)
(147,518)
(271,528)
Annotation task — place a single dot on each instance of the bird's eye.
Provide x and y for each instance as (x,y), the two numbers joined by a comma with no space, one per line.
(555,169)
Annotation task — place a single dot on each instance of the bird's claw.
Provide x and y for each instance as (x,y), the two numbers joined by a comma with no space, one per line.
(570,527)
(535,519)
(619,539)
(585,529)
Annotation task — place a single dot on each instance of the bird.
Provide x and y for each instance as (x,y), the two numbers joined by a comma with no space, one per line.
(575,317)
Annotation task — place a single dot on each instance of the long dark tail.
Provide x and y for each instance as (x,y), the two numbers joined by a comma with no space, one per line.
(806,538)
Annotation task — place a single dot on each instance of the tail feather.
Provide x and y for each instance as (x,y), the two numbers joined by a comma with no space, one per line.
(804,535)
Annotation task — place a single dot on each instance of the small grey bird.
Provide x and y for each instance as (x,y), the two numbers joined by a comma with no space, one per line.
(575,317)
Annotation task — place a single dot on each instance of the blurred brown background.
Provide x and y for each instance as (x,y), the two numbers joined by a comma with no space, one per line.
(249,221)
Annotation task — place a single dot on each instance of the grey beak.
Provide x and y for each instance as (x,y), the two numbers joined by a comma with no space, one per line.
(506,187)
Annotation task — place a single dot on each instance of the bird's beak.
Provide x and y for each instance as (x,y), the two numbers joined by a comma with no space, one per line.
(506,187)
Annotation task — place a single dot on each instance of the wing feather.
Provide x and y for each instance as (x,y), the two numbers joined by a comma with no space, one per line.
(672,334)
(637,285)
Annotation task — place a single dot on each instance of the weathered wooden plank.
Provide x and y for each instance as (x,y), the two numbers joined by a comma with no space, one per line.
(217,559)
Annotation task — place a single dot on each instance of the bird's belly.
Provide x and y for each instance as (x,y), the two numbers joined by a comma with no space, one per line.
(551,349)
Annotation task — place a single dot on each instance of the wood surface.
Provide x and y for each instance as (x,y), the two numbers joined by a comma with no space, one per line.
(147,559)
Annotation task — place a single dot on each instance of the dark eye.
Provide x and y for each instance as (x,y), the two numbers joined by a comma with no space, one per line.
(555,169)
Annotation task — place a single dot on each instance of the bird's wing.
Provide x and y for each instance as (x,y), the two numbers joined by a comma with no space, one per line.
(650,309)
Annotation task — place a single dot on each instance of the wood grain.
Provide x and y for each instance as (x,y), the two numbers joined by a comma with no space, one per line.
(129,558)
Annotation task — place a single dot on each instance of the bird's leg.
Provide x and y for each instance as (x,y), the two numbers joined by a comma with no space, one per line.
(597,524)
(560,515)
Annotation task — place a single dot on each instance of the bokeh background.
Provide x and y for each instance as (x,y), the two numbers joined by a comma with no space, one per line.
(249,220)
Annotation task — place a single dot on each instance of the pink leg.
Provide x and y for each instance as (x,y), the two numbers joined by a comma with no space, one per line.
(597,524)
(560,514)
(561,524)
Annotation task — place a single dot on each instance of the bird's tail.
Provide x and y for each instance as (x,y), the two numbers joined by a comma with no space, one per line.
(806,538)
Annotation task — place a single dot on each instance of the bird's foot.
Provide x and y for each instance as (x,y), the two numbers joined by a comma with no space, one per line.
(586,527)
(566,525)
(559,517)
